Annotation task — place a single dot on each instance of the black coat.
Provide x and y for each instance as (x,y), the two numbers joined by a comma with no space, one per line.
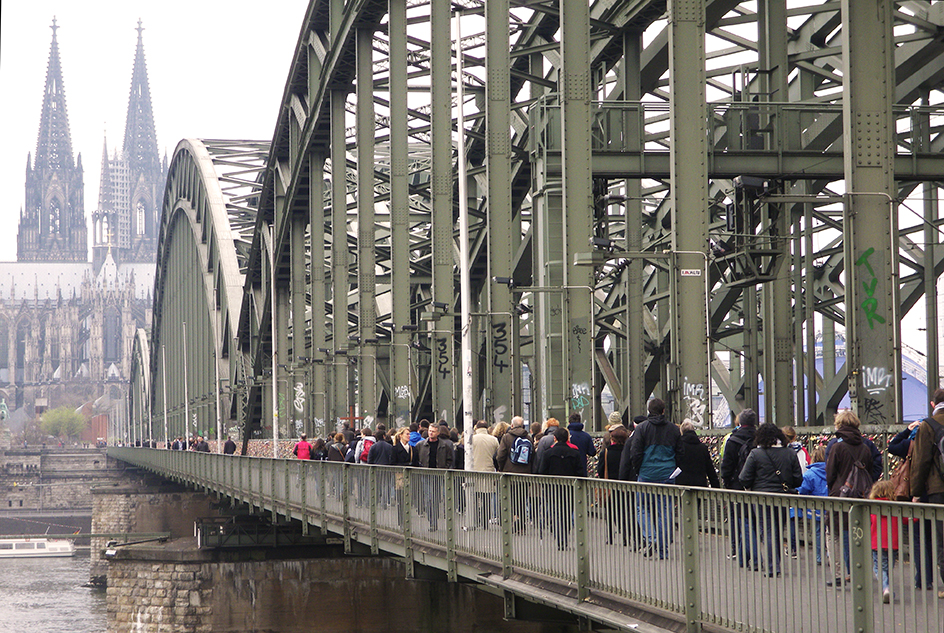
(729,463)
(626,472)
(609,461)
(402,455)
(760,470)
(695,463)
(563,461)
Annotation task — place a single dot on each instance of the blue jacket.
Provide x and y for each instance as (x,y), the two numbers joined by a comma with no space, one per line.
(415,438)
(582,440)
(814,481)
(656,443)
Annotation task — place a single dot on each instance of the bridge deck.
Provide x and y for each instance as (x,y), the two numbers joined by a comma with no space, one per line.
(561,541)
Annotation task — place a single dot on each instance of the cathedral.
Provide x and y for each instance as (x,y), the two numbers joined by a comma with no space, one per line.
(66,323)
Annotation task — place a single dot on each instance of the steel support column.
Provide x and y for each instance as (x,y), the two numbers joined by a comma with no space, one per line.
(299,383)
(401,382)
(778,330)
(340,284)
(576,93)
(366,282)
(688,375)
(502,365)
(870,220)
(443,222)
(634,370)
(319,384)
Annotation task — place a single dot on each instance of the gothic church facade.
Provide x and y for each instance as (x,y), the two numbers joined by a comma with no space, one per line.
(66,323)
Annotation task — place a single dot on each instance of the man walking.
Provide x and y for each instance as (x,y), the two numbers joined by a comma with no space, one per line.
(433,452)
(927,468)
(656,444)
(483,450)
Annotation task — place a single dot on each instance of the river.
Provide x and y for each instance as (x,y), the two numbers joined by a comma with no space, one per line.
(47,595)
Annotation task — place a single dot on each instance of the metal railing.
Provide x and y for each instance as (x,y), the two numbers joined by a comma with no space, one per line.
(727,560)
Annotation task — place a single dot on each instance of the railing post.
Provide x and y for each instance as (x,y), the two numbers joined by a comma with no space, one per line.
(581,547)
(323,497)
(450,500)
(345,504)
(504,486)
(406,513)
(303,488)
(372,479)
(690,560)
(272,476)
(860,559)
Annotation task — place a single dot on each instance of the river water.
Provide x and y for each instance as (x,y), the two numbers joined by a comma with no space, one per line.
(46,595)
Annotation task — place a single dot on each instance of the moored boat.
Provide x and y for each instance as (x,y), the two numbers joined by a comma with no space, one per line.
(39,547)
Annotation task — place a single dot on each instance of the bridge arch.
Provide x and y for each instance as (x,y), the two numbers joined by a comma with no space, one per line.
(198,286)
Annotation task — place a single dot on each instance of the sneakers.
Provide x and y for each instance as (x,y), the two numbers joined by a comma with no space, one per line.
(886,596)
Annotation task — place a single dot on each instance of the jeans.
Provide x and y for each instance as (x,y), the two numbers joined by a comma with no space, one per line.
(771,520)
(745,531)
(885,564)
(817,533)
(654,512)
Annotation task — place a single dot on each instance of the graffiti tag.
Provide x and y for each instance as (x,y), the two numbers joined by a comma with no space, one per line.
(299,401)
(870,305)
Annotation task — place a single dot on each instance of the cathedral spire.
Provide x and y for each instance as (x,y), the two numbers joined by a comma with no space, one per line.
(52,227)
(140,143)
(54,145)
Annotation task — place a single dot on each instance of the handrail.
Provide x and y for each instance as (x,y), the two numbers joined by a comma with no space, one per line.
(589,535)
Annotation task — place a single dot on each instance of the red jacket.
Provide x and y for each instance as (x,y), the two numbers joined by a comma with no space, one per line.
(895,523)
(303,450)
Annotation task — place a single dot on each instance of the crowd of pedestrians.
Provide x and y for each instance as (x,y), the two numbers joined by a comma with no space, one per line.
(653,450)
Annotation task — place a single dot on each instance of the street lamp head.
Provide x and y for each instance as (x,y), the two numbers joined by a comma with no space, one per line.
(507,281)
(409,328)
(601,242)
(439,305)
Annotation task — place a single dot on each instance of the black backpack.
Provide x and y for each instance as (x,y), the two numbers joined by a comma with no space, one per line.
(859,480)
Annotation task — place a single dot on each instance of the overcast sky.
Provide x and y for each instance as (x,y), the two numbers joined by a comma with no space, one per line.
(217,69)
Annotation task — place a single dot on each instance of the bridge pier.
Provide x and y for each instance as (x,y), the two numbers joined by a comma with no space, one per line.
(176,587)
(142,503)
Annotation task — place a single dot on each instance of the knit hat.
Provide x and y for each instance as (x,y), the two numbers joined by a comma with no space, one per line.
(615,418)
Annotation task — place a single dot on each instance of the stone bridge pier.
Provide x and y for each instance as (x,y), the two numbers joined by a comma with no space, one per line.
(308,584)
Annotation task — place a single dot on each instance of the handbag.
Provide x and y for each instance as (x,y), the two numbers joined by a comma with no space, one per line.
(902,477)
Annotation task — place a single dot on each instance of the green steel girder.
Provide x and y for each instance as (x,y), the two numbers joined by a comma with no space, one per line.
(799,146)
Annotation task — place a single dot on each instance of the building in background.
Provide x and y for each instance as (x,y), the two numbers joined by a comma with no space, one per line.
(67,324)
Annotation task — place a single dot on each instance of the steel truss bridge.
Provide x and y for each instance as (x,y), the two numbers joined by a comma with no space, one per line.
(678,198)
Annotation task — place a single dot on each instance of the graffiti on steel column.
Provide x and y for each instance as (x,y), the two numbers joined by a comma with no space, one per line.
(402,393)
(876,381)
(500,345)
(694,396)
(498,413)
(299,401)
(281,412)
(870,305)
(299,427)
(579,332)
(580,396)
(442,357)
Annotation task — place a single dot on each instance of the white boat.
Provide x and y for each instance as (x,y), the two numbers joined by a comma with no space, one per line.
(39,547)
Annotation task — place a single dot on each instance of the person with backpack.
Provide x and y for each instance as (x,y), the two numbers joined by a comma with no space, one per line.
(849,475)
(743,520)
(515,450)
(927,469)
